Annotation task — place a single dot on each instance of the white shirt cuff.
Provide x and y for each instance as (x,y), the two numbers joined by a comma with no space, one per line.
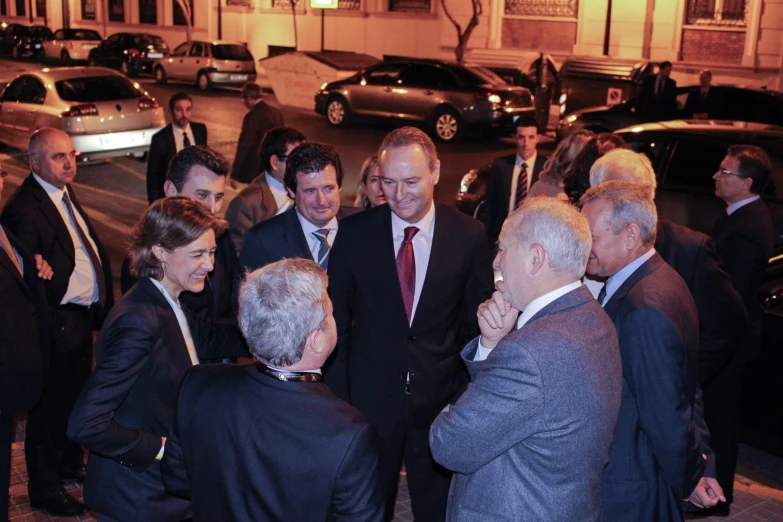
(162,448)
(481,353)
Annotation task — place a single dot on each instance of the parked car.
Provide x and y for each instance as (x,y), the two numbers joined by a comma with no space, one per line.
(21,41)
(740,104)
(447,97)
(130,53)
(70,45)
(105,114)
(207,64)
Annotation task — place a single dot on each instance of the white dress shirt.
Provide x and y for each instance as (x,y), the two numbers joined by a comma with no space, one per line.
(312,241)
(515,176)
(422,247)
(182,320)
(83,284)
(739,204)
(179,140)
(617,280)
(282,200)
(535,306)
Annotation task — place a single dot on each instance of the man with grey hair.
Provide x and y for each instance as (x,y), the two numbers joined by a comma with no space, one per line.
(274,427)
(657,456)
(529,438)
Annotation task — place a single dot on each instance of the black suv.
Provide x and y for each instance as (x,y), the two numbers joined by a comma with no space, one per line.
(739,104)
(130,53)
(21,41)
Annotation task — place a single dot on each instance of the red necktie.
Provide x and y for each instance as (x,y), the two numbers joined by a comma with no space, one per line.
(406,270)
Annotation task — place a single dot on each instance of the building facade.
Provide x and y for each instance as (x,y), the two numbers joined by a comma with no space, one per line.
(741,41)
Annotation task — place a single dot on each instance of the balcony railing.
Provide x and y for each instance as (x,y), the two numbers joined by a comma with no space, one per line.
(409,6)
(553,8)
(717,12)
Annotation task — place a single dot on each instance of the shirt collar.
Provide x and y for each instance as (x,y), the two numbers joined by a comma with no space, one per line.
(616,281)
(274,183)
(537,304)
(176,128)
(425,225)
(309,228)
(530,162)
(739,204)
(49,188)
(317,370)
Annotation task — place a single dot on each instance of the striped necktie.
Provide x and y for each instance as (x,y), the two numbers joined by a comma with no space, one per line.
(323,253)
(521,192)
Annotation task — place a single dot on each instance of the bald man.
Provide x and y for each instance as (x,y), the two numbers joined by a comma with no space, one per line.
(48,220)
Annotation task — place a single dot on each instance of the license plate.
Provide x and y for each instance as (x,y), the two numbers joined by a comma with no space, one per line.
(154,55)
(37,46)
(89,46)
(118,142)
(238,77)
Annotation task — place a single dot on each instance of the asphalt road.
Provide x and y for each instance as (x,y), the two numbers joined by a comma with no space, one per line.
(113,192)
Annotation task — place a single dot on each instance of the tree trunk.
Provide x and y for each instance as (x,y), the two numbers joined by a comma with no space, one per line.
(185,6)
(464,36)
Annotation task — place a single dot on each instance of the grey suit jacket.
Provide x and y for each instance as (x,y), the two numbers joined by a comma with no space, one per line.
(529,438)
(254,204)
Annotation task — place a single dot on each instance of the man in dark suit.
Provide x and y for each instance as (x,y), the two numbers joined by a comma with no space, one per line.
(46,217)
(304,454)
(658,95)
(169,140)
(658,455)
(258,121)
(313,178)
(25,348)
(704,102)
(558,373)
(406,280)
(511,178)
(199,173)
(744,237)
(266,195)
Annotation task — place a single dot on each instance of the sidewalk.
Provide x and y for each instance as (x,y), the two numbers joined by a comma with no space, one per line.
(753,502)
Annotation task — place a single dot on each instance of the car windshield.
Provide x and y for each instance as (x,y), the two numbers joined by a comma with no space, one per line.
(231,52)
(145,40)
(475,75)
(96,89)
(79,34)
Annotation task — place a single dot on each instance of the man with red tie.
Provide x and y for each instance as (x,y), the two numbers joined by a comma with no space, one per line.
(511,178)
(48,220)
(406,280)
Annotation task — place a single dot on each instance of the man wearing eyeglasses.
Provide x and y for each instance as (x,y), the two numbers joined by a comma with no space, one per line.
(266,195)
(744,238)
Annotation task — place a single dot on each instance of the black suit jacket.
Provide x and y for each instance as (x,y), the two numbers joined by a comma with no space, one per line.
(162,149)
(655,458)
(661,107)
(25,326)
(696,103)
(127,405)
(258,121)
(247,446)
(280,237)
(33,218)
(722,316)
(376,347)
(494,211)
(745,242)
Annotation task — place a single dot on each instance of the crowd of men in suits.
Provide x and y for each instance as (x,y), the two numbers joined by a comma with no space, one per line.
(599,379)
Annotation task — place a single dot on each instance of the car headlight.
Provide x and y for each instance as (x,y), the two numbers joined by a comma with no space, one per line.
(571,118)
(467,181)
(494,98)
(323,86)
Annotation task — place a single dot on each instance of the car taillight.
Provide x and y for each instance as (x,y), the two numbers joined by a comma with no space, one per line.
(148,103)
(490,96)
(134,52)
(85,109)
(70,45)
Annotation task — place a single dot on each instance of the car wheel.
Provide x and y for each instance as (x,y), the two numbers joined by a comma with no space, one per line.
(337,111)
(446,124)
(65,58)
(204,82)
(160,75)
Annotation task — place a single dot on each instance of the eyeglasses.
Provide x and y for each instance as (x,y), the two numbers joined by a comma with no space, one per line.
(3,174)
(724,173)
(281,157)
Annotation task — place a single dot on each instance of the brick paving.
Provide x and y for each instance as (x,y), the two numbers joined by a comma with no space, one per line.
(753,502)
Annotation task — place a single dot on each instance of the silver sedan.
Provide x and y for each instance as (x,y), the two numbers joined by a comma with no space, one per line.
(105,114)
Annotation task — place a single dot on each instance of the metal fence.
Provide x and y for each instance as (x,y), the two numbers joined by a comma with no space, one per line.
(717,12)
(409,6)
(353,5)
(554,8)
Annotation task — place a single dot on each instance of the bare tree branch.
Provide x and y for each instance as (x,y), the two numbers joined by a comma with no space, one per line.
(464,36)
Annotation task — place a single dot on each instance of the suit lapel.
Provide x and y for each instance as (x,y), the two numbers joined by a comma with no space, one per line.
(170,143)
(171,329)
(647,267)
(268,203)
(52,215)
(387,263)
(508,173)
(293,235)
(442,241)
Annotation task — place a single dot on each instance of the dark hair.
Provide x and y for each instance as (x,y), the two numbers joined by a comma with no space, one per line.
(309,158)
(177,97)
(754,163)
(664,64)
(577,178)
(170,223)
(275,142)
(251,90)
(524,121)
(189,157)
